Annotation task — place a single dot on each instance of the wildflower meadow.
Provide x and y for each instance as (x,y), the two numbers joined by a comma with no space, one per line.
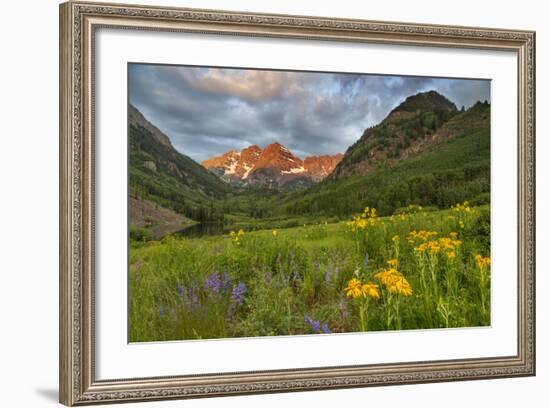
(418,269)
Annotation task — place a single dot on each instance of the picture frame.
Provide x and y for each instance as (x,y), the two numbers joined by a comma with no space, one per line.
(79,25)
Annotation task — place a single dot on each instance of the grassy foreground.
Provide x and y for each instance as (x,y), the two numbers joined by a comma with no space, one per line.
(416,270)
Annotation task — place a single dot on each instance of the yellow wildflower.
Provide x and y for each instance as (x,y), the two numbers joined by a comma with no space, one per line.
(402,286)
(360,222)
(420,235)
(431,246)
(274,232)
(434,247)
(441,244)
(370,290)
(482,262)
(394,281)
(464,207)
(354,289)
(385,276)
(234,236)
(446,243)
(392,262)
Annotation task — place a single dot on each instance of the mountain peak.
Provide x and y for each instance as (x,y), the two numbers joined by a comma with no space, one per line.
(275,146)
(251,148)
(420,121)
(275,166)
(425,101)
(276,155)
(136,118)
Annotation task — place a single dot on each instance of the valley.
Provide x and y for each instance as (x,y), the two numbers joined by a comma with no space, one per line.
(425,152)
(392,234)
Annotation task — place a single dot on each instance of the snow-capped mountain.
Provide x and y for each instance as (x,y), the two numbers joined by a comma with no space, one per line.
(273,167)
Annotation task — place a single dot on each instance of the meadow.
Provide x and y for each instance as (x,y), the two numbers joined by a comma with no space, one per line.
(416,269)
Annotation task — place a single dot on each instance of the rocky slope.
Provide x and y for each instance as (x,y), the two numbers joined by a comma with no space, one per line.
(234,165)
(408,129)
(157,220)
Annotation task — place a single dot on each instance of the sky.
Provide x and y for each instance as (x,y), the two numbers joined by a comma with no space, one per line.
(208,111)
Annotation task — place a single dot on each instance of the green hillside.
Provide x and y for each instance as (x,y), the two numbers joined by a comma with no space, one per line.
(454,166)
(161,174)
(403,131)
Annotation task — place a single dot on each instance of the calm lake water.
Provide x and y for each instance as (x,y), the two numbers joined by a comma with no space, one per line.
(203,229)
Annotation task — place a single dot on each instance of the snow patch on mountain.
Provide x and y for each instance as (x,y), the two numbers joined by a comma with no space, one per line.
(295,170)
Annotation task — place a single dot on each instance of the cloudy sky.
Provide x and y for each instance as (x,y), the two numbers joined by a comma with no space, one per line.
(208,111)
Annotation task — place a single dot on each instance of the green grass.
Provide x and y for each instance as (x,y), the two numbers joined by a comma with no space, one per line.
(183,288)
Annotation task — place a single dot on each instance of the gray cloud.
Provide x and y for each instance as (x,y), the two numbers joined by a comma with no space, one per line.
(208,111)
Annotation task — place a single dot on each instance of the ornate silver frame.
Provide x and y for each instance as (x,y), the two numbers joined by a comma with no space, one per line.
(78,22)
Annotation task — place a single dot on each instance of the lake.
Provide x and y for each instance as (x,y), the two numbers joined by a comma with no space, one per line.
(202,229)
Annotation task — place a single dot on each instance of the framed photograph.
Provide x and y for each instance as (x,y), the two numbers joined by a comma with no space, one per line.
(256,203)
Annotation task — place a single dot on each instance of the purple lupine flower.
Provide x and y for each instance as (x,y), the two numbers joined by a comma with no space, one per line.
(237,295)
(213,282)
(225,281)
(315,326)
(313,323)
(161,310)
(217,282)
(181,290)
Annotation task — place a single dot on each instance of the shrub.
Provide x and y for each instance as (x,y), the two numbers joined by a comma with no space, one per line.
(140,234)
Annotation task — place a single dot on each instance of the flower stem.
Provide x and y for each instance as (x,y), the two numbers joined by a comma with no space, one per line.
(363,325)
